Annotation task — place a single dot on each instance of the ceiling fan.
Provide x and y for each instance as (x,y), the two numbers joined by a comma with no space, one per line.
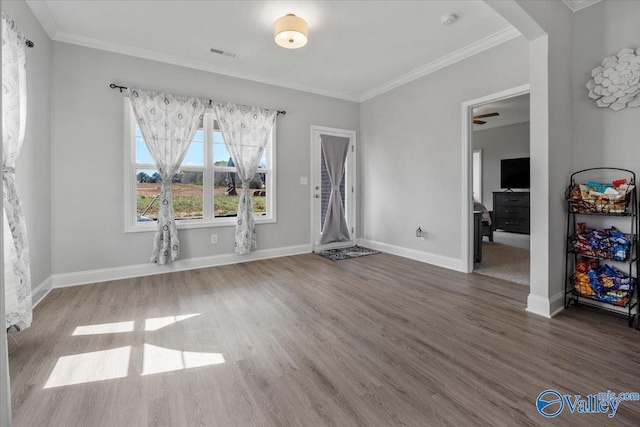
(482,116)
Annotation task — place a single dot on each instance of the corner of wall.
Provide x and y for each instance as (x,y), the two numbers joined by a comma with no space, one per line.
(545,307)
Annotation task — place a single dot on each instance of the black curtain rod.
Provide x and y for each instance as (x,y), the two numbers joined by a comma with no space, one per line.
(122,88)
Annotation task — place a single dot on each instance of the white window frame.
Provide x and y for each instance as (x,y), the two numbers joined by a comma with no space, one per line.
(131,225)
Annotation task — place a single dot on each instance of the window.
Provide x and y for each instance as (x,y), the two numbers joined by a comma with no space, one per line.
(206,188)
(477,176)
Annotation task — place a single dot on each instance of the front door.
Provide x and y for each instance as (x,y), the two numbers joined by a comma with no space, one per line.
(333,188)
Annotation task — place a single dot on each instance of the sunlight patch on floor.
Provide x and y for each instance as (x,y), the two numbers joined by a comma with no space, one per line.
(90,367)
(159,359)
(160,322)
(104,328)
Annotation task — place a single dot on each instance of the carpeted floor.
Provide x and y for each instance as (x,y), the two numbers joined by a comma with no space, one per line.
(512,239)
(506,258)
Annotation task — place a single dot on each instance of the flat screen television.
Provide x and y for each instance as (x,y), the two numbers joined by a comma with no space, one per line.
(514,173)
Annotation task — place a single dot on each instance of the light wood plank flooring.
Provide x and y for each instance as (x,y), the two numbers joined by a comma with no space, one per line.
(375,341)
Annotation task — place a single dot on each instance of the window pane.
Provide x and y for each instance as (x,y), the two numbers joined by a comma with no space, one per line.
(142,152)
(259,194)
(195,154)
(148,187)
(187,195)
(221,156)
(226,187)
(226,192)
(199,136)
(186,190)
(263,160)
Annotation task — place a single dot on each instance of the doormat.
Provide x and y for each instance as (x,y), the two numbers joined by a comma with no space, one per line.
(346,253)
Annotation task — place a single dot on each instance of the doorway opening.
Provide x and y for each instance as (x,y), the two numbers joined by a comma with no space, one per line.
(497,161)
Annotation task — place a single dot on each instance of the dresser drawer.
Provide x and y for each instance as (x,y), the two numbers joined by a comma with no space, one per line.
(511,224)
(511,199)
(511,212)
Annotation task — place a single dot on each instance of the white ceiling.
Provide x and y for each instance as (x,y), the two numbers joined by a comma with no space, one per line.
(356,49)
(512,110)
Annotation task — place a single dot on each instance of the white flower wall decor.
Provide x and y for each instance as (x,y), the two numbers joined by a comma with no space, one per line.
(616,83)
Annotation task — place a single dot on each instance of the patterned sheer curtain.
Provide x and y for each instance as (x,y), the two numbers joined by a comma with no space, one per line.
(246,131)
(17,274)
(168,123)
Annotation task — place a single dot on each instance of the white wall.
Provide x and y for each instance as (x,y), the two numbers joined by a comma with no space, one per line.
(410,164)
(549,27)
(33,167)
(87,152)
(504,142)
(604,137)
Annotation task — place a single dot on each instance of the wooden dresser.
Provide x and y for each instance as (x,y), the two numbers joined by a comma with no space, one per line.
(511,211)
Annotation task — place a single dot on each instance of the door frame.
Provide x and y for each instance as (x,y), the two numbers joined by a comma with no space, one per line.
(467,162)
(315,172)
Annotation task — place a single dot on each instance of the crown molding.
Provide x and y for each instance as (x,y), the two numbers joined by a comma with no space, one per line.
(190,63)
(43,14)
(576,5)
(474,48)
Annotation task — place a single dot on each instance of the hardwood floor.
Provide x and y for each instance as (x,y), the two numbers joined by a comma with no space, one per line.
(377,341)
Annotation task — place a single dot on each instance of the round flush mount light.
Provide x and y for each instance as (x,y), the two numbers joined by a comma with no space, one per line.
(291,32)
(449,19)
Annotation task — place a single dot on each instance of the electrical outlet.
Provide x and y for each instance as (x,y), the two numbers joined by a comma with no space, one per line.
(214,239)
(420,233)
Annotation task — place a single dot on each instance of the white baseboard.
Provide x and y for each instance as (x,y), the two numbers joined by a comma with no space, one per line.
(538,305)
(427,257)
(41,291)
(557,303)
(546,307)
(130,271)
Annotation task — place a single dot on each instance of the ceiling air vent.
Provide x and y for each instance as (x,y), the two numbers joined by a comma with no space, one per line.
(223,53)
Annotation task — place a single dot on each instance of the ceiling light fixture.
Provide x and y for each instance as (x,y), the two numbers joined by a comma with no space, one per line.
(291,32)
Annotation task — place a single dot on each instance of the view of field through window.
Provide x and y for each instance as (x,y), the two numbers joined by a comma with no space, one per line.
(188,185)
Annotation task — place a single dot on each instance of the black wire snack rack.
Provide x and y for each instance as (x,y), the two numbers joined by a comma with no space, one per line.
(602,260)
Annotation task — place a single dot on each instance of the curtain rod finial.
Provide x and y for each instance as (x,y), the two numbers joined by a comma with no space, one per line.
(115,86)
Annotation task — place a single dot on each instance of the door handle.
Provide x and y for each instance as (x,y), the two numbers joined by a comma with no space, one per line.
(317,187)
(317,196)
